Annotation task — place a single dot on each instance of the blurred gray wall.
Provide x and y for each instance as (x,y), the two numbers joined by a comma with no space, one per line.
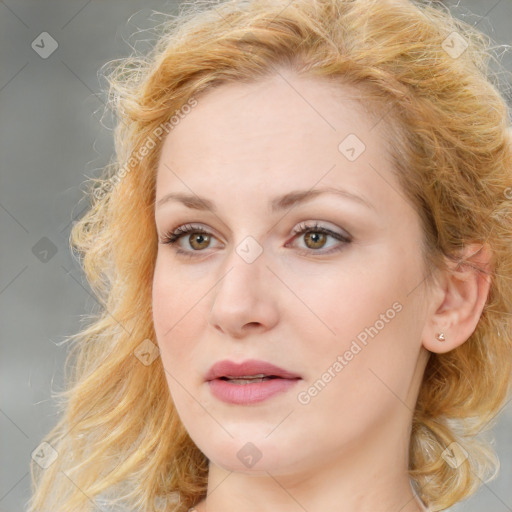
(53,135)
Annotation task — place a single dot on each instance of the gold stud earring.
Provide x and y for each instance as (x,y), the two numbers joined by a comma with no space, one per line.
(440,336)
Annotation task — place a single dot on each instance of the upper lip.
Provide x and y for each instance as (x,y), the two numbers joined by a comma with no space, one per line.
(227,368)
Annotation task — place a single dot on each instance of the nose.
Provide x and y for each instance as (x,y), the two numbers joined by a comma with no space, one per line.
(244,301)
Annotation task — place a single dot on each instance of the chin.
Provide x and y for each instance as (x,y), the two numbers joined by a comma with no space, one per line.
(243,456)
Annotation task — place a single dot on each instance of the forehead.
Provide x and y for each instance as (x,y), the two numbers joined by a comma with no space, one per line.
(272,124)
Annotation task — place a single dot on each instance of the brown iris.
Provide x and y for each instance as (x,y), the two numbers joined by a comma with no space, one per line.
(318,239)
(200,238)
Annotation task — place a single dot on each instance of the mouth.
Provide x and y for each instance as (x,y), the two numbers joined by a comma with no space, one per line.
(248,382)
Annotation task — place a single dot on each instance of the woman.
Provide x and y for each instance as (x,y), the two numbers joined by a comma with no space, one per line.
(304,255)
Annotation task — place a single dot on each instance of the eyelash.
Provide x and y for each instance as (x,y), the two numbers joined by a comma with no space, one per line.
(171,238)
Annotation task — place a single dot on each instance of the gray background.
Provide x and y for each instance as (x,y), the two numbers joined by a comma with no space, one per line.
(53,134)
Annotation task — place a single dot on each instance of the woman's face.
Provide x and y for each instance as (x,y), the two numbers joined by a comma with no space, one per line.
(326,285)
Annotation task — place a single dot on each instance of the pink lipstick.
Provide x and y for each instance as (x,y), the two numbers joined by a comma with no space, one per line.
(248,382)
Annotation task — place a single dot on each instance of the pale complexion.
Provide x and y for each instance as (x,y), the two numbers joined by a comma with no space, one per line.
(301,302)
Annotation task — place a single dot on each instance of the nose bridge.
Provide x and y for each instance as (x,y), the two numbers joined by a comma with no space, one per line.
(242,295)
(244,271)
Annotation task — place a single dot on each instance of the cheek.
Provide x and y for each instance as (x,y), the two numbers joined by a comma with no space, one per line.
(368,316)
(174,296)
(363,375)
(345,303)
(163,300)
(176,308)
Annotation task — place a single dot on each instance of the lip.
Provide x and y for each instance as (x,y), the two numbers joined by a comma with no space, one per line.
(248,393)
(249,367)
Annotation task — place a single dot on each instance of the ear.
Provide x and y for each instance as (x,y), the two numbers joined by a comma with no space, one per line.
(458,299)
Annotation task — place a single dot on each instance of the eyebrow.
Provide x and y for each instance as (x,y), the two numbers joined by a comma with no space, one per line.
(277,204)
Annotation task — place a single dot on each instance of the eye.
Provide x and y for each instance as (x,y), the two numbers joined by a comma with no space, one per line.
(199,238)
(316,236)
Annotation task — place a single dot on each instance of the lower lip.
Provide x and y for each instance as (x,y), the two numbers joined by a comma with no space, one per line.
(243,394)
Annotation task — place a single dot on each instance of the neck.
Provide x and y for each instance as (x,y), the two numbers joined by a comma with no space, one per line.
(370,477)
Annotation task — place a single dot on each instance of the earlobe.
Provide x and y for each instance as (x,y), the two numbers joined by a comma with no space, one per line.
(461,297)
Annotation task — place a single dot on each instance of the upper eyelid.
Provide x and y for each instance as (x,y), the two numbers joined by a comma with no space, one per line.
(305,226)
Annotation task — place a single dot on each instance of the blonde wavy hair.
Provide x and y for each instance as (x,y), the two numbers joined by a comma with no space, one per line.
(119,438)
